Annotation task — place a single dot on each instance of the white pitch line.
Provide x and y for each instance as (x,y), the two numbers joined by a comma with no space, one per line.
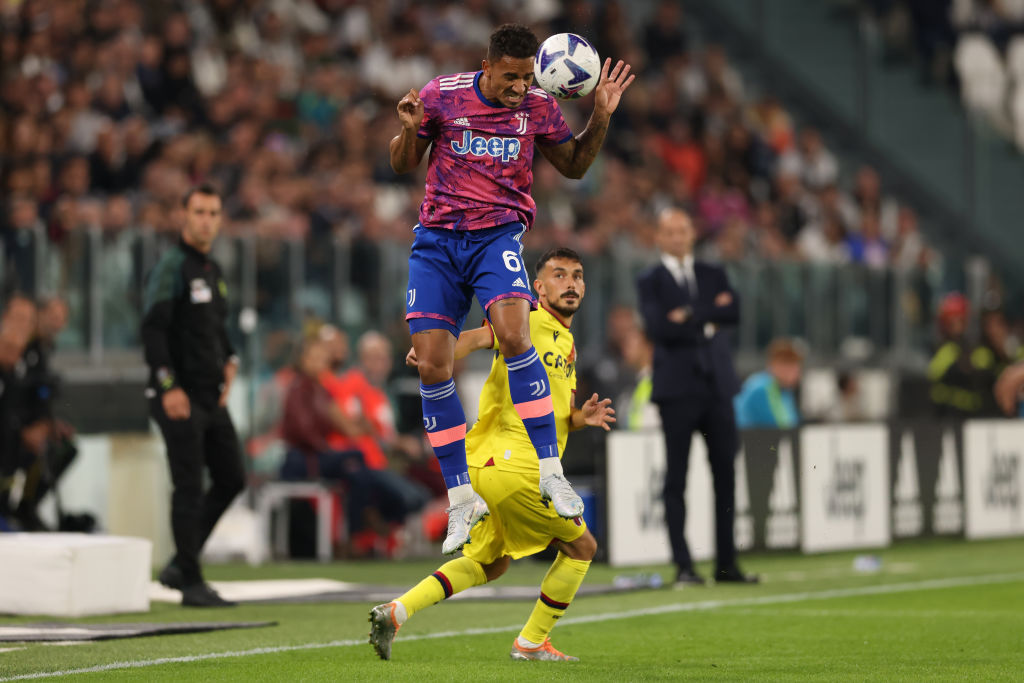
(884,589)
(879,614)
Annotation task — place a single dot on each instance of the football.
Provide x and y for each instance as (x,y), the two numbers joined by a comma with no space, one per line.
(567,66)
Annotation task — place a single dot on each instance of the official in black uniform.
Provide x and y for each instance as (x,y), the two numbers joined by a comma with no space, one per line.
(192,365)
(684,305)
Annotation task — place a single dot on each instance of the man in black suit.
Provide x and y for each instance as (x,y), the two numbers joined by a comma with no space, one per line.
(684,304)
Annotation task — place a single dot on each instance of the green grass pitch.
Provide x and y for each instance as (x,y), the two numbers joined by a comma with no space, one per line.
(935,611)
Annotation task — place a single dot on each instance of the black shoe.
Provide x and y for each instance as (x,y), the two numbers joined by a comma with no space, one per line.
(688,577)
(172,576)
(201,595)
(28,520)
(734,575)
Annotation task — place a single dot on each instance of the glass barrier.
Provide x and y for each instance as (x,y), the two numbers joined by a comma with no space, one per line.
(849,311)
(120,287)
(72,271)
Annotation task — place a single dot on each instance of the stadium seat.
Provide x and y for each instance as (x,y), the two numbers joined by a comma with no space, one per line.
(1017,113)
(982,74)
(271,496)
(1015,59)
(962,13)
(1013,10)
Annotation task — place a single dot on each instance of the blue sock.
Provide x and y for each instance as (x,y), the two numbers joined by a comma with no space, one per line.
(531,395)
(446,429)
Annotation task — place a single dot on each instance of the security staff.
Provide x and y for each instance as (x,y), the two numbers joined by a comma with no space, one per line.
(192,365)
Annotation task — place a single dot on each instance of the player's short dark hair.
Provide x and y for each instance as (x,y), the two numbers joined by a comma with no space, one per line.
(514,40)
(557,252)
(203,188)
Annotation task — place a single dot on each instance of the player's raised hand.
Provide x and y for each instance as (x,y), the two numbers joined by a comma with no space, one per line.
(410,110)
(611,86)
(598,413)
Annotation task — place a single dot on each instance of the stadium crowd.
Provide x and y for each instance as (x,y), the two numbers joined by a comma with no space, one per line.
(112,109)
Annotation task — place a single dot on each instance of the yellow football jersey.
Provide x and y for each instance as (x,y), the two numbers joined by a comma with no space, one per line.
(499,432)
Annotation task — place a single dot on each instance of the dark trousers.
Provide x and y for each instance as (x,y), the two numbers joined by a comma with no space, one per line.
(207,440)
(391,494)
(713,418)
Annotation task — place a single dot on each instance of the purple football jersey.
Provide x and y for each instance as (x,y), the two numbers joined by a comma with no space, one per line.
(480,169)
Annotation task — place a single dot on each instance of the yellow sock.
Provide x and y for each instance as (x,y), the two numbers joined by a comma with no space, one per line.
(556,592)
(450,578)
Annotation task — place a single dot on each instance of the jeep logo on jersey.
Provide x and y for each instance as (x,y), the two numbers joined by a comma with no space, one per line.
(506,148)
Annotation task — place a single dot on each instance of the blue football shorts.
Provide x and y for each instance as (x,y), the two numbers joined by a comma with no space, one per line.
(447,268)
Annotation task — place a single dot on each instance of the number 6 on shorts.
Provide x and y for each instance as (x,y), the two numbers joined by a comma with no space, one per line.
(512,261)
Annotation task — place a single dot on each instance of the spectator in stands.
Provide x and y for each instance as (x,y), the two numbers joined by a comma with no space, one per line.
(998,350)
(849,403)
(718,204)
(20,318)
(793,204)
(824,241)
(773,123)
(665,36)
(311,419)
(610,374)
(811,161)
(359,394)
(908,248)
(1009,390)
(636,403)
(720,75)
(767,398)
(867,246)
(868,199)
(310,416)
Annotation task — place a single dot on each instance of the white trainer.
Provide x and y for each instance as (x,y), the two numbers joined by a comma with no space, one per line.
(558,490)
(461,519)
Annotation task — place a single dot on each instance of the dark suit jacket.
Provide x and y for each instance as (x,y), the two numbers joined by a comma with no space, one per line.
(687,364)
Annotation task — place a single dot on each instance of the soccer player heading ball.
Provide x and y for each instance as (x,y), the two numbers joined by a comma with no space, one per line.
(481,128)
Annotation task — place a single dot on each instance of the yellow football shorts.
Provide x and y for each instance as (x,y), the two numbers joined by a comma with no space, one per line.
(520,524)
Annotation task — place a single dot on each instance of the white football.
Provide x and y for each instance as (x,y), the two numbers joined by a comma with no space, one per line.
(567,66)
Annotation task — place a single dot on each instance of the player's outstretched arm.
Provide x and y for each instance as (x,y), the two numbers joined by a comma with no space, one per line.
(595,413)
(474,340)
(468,342)
(573,158)
(407,148)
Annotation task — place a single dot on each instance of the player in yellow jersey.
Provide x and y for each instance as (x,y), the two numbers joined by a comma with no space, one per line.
(503,470)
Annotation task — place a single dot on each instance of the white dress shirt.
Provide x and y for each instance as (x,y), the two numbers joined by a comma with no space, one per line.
(682,271)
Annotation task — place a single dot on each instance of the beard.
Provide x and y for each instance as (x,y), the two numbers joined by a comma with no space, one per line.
(563,307)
